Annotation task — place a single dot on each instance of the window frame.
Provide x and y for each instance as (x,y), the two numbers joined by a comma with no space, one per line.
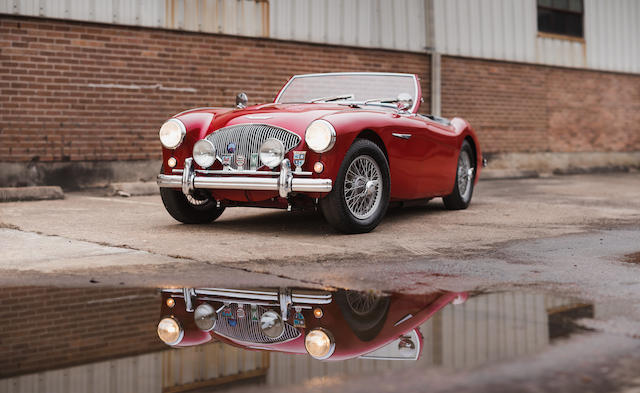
(555,34)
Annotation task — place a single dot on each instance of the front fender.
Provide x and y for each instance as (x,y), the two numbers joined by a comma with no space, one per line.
(198,125)
(348,127)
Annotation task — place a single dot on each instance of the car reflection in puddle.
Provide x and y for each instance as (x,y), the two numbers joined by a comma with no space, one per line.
(88,337)
(336,325)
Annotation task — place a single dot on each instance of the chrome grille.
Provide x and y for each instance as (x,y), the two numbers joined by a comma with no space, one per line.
(248,330)
(248,138)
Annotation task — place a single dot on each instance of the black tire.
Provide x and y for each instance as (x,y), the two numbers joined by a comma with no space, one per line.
(460,199)
(334,206)
(365,324)
(203,211)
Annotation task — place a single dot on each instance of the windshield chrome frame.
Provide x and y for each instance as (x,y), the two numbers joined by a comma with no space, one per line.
(416,86)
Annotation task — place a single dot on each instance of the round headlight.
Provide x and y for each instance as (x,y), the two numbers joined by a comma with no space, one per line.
(205,317)
(271,152)
(320,136)
(170,331)
(271,324)
(172,133)
(204,153)
(320,343)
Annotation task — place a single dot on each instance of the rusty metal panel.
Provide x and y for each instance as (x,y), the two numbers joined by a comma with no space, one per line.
(237,17)
(234,17)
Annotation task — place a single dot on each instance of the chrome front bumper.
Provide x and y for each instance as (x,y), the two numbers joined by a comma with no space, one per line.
(284,183)
(284,298)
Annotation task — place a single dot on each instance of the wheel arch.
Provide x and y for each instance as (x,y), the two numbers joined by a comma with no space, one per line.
(474,149)
(375,138)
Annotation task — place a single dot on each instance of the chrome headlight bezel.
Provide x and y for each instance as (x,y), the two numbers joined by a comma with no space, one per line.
(328,336)
(177,325)
(320,136)
(271,324)
(204,153)
(271,146)
(205,317)
(176,134)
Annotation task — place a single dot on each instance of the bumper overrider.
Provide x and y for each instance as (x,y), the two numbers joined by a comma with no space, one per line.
(285,182)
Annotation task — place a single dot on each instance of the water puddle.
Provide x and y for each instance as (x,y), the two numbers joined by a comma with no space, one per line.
(177,339)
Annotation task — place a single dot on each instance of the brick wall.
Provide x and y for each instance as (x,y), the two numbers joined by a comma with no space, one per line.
(48,328)
(530,108)
(592,111)
(50,112)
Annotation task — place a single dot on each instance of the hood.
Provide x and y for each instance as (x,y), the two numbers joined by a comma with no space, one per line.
(293,117)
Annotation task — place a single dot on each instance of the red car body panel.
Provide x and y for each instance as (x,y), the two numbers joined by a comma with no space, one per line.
(412,310)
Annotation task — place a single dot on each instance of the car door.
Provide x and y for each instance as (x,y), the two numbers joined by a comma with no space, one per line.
(422,157)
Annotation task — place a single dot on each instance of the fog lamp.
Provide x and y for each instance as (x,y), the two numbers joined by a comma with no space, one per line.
(318,167)
(205,317)
(272,325)
(172,133)
(171,162)
(204,153)
(319,343)
(272,152)
(170,331)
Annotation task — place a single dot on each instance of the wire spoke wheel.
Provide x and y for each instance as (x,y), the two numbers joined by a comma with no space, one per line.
(465,174)
(460,196)
(360,196)
(198,199)
(362,303)
(363,187)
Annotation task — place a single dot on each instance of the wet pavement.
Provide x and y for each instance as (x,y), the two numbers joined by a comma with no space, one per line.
(535,287)
(109,339)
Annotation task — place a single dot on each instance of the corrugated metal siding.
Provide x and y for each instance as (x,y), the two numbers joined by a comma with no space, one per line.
(507,30)
(237,17)
(387,24)
(367,23)
(612,33)
(491,29)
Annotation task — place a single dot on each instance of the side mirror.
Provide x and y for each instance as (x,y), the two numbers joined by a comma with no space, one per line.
(242,100)
(405,101)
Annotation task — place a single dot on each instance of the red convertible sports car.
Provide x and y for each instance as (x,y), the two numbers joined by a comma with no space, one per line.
(326,325)
(346,143)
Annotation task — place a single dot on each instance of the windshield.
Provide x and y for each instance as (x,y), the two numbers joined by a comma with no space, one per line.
(350,88)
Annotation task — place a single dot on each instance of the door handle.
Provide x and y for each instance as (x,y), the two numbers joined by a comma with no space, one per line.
(401,136)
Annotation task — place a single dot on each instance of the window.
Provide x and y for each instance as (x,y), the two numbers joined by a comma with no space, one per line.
(564,17)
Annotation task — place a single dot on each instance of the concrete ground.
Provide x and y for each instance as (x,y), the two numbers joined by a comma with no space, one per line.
(86,233)
(571,235)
